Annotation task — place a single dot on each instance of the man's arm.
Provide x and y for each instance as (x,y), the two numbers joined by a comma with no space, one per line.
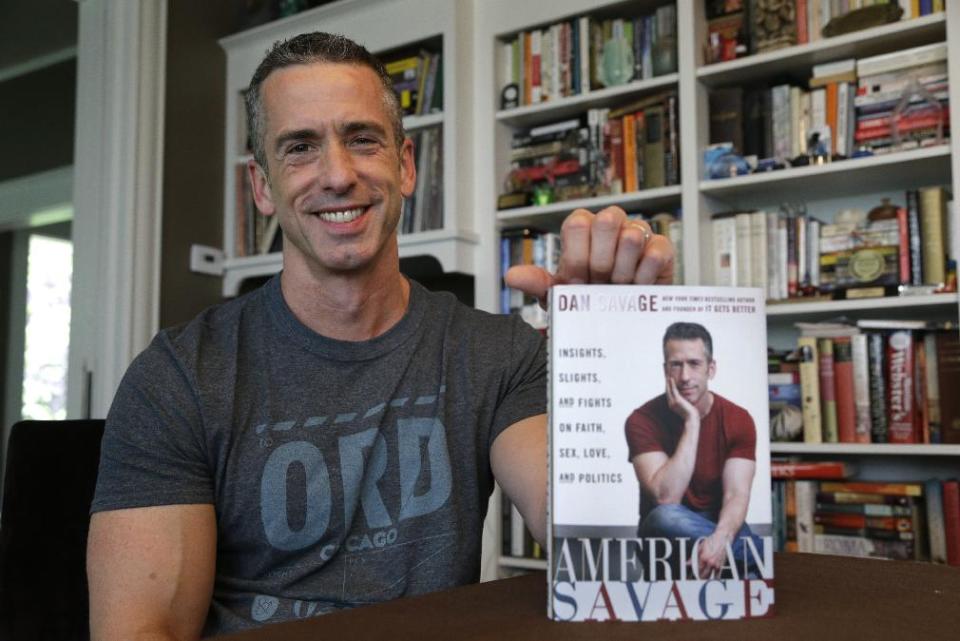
(737,480)
(150,572)
(667,478)
(518,458)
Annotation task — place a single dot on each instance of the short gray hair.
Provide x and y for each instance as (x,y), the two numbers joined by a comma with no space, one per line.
(305,49)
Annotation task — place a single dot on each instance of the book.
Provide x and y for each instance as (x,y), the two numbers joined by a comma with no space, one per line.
(828,390)
(901,406)
(861,388)
(948,377)
(951,520)
(933,220)
(608,411)
(876,362)
(810,388)
(843,379)
(811,469)
(893,489)
(933,495)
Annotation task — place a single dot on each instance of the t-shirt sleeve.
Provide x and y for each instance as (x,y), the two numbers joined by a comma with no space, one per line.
(152,451)
(641,434)
(742,435)
(523,392)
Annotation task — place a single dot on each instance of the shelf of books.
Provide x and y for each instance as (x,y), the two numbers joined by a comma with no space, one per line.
(421,60)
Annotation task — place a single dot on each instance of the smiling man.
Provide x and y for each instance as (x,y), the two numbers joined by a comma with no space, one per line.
(694,455)
(331,439)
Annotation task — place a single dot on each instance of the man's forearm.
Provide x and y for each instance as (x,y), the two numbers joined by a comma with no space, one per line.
(671,481)
(732,514)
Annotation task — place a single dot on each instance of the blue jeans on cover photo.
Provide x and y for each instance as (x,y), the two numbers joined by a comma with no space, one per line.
(674,521)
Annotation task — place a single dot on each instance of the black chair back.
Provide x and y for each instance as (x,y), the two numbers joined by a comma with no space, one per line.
(51,472)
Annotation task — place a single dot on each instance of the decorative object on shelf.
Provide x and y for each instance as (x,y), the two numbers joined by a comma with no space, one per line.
(918,117)
(510,96)
(616,67)
(720,161)
(774,24)
(863,18)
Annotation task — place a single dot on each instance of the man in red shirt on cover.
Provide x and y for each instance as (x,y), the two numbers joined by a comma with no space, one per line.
(694,454)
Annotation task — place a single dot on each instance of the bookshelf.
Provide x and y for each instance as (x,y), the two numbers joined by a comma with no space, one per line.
(859,179)
(476,143)
(382,26)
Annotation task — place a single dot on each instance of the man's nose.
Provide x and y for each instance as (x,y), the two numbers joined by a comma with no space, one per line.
(337,171)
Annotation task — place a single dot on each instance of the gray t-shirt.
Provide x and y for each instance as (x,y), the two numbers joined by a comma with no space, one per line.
(343,473)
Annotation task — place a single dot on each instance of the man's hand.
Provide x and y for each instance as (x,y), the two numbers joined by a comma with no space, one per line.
(712,555)
(681,406)
(603,248)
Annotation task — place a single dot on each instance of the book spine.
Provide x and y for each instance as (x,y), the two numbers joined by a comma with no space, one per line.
(932,235)
(828,391)
(809,470)
(900,393)
(806,492)
(913,227)
(773,257)
(758,249)
(903,248)
(803,31)
(744,251)
(933,499)
(878,387)
(861,388)
(629,153)
(951,520)
(724,251)
(793,285)
(948,377)
(932,386)
(874,487)
(810,390)
(843,377)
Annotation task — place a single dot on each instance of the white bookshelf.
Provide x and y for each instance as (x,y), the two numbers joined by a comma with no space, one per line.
(700,198)
(381,26)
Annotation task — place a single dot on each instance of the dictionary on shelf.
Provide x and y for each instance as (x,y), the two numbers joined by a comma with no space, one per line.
(659,503)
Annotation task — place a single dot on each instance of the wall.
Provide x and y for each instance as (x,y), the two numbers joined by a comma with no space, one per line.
(193,152)
(36,120)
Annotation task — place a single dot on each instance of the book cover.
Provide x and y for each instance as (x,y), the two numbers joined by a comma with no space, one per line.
(810,469)
(640,376)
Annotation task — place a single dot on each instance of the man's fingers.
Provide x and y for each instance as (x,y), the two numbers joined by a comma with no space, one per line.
(634,236)
(529,279)
(604,238)
(656,264)
(574,265)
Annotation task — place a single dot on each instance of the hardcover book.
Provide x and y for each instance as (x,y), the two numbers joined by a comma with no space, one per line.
(660,505)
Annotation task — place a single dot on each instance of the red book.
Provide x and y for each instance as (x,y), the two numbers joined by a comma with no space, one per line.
(803,36)
(902,410)
(904,250)
(810,470)
(843,381)
(951,520)
(851,520)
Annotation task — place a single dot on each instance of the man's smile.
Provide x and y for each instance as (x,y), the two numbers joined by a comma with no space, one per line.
(341,215)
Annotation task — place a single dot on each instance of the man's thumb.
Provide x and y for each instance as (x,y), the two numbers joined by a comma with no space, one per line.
(529,279)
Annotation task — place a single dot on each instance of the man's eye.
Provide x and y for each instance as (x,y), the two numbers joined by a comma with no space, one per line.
(363,141)
(299,148)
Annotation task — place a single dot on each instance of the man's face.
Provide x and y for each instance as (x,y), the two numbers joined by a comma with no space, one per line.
(686,362)
(336,177)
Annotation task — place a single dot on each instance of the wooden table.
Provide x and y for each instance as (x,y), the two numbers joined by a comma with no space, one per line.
(817,598)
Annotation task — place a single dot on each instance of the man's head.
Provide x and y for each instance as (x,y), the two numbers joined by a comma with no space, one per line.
(688,360)
(332,161)
(305,49)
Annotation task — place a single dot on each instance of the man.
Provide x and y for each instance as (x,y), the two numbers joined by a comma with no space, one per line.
(327,440)
(694,455)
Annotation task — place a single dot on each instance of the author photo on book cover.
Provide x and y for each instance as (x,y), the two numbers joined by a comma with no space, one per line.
(694,454)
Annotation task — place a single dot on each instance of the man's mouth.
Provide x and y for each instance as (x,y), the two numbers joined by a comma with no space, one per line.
(341,216)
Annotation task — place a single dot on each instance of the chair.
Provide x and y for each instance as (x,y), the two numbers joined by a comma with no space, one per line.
(50,478)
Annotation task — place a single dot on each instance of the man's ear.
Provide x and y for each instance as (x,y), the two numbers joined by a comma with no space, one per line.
(408,169)
(711,369)
(260,184)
